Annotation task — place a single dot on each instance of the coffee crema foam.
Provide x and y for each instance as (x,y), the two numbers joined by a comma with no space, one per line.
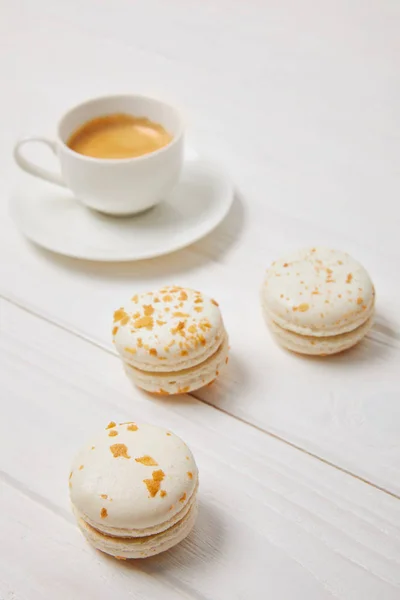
(118,136)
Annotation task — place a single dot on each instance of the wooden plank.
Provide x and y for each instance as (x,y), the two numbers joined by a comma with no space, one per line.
(269,514)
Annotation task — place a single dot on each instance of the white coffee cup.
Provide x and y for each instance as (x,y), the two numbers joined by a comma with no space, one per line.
(114,186)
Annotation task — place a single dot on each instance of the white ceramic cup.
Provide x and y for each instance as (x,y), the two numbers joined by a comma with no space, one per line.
(113,186)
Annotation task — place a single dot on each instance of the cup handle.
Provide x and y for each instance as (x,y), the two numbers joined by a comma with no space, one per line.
(31,168)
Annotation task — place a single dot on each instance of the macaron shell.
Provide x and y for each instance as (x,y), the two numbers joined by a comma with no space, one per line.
(320,346)
(167,330)
(184,381)
(132,477)
(319,292)
(126,548)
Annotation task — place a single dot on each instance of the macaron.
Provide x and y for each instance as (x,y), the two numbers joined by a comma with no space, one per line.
(318,301)
(133,490)
(172,341)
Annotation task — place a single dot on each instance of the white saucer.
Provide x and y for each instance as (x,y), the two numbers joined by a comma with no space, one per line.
(50,217)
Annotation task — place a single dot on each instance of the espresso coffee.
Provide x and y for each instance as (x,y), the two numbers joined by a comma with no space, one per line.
(118,136)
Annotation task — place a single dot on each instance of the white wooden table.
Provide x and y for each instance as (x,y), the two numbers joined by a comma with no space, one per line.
(299,458)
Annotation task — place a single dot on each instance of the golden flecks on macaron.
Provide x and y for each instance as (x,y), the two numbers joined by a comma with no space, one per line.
(146,321)
(301,307)
(154,484)
(103,513)
(119,314)
(131,427)
(146,460)
(130,350)
(111,424)
(119,450)
(178,328)
(113,432)
(121,317)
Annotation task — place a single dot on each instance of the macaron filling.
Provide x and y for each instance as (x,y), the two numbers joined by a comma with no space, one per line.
(184,381)
(142,547)
(318,345)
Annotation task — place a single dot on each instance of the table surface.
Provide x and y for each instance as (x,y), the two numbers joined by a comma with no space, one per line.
(299,457)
